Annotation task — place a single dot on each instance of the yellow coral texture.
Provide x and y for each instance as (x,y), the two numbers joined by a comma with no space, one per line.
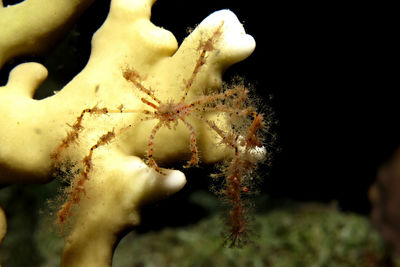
(139,104)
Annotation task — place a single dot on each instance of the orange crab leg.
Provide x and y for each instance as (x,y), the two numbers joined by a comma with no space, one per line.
(195,158)
(205,47)
(214,97)
(149,103)
(132,76)
(226,138)
(152,162)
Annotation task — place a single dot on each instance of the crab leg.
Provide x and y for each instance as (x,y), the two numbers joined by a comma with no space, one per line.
(195,158)
(132,76)
(152,162)
(204,47)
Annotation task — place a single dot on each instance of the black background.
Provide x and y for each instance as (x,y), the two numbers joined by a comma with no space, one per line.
(330,70)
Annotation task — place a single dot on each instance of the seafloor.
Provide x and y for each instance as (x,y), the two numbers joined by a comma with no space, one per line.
(284,233)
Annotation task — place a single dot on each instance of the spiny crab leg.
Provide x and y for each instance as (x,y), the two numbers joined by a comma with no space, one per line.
(152,162)
(204,47)
(77,127)
(210,98)
(194,160)
(226,138)
(149,103)
(193,147)
(132,76)
(77,188)
(238,112)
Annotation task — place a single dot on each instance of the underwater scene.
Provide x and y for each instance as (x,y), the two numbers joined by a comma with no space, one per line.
(215,133)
